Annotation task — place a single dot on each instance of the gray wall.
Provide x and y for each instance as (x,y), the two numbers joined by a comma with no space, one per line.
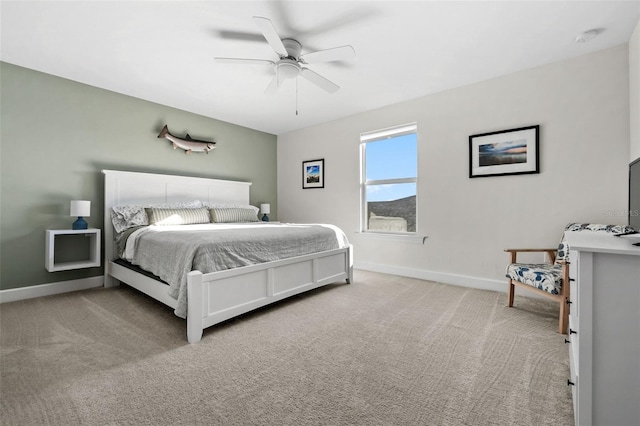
(582,107)
(56,137)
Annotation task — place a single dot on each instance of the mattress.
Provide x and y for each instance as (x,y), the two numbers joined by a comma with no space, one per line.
(171,252)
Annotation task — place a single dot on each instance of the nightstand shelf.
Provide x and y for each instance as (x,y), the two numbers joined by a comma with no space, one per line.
(94,249)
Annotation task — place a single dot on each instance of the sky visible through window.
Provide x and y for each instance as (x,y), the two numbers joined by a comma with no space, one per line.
(391,158)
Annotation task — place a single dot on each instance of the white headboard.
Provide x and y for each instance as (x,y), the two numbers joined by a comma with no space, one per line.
(124,188)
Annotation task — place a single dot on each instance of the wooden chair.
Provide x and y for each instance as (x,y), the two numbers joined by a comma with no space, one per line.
(548,279)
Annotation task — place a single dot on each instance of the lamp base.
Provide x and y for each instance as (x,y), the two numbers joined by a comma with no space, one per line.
(80,223)
(265,218)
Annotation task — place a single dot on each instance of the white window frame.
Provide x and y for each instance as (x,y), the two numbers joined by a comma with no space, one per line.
(377,135)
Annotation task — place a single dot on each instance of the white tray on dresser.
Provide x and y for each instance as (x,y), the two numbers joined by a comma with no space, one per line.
(604,328)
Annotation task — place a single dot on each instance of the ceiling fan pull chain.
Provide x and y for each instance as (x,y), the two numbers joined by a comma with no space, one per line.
(296,96)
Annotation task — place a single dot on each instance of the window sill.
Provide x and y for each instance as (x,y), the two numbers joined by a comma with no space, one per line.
(409,239)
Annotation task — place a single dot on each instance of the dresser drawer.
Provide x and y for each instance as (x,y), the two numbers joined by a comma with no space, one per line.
(574,309)
(573,377)
(573,264)
(573,345)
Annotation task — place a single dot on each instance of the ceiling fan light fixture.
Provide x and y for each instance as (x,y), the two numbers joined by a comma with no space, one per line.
(288,69)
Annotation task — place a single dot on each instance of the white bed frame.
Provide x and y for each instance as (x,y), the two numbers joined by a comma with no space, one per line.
(216,296)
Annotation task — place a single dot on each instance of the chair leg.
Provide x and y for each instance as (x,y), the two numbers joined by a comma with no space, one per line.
(563,322)
(510,293)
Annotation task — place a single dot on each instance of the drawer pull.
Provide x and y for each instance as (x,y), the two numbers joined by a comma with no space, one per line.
(567,341)
(572,331)
(570,383)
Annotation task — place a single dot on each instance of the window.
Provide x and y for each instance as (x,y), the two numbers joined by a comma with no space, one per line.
(389,178)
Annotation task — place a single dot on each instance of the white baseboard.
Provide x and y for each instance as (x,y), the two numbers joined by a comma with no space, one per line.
(21,293)
(441,277)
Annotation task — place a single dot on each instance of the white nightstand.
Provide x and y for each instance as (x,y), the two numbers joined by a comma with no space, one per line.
(94,250)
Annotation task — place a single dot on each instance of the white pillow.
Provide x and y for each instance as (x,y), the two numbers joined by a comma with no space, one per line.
(233,215)
(158,216)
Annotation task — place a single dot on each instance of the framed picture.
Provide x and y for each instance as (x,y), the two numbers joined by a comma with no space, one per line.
(313,174)
(507,152)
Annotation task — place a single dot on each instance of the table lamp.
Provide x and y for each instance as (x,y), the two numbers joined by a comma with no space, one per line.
(80,209)
(265,209)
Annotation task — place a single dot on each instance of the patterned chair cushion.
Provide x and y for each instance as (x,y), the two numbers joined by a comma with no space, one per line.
(546,277)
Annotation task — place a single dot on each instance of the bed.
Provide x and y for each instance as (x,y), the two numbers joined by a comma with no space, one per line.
(213,297)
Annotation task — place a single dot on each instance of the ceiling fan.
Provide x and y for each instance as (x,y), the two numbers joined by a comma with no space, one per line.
(291,62)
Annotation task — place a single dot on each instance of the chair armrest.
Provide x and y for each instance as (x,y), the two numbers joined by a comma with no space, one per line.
(551,252)
(531,250)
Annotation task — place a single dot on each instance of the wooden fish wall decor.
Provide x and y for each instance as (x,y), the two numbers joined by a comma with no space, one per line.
(188,144)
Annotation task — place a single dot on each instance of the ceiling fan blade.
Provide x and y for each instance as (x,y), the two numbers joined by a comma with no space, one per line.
(271,35)
(240,35)
(319,80)
(244,61)
(335,54)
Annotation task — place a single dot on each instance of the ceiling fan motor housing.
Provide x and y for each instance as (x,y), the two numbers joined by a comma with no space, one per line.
(293,48)
(288,67)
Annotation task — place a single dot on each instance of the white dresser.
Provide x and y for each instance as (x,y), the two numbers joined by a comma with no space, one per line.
(604,324)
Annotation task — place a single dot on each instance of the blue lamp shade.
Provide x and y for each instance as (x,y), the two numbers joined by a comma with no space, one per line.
(80,209)
(265,209)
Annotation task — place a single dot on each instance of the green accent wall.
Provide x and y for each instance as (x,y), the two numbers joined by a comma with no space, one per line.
(56,137)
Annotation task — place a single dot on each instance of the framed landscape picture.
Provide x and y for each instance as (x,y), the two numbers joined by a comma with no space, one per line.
(313,174)
(507,152)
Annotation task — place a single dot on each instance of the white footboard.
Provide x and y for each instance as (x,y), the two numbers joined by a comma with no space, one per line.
(218,296)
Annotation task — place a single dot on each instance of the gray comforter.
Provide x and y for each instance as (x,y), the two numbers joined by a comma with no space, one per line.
(171,252)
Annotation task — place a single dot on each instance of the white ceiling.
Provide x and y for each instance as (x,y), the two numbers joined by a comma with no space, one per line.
(163,51)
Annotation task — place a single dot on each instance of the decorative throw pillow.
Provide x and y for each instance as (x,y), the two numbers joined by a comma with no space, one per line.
(125,217)
(599,227)
(233,215)
(160,216)
(563,247)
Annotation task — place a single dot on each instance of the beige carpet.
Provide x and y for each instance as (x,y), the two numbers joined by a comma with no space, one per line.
(383,350)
